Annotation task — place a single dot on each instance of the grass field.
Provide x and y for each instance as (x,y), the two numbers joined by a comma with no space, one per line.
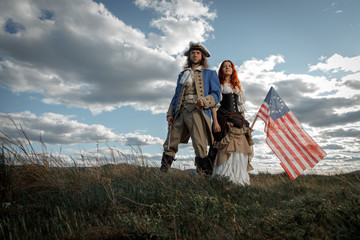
(128,201)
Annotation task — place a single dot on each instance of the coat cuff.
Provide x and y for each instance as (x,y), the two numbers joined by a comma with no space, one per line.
(209,101)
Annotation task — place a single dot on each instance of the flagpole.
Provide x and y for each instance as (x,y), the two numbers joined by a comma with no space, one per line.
(252,125)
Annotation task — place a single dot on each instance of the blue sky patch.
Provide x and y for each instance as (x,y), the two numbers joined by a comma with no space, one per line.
(13,27)
(46,15)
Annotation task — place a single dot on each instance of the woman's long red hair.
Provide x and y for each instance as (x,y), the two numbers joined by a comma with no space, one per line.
(234,77)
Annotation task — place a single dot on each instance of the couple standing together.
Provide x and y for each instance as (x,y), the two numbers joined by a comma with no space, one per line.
(200,95)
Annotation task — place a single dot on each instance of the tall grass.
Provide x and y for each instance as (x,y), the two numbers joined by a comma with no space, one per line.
(137,201)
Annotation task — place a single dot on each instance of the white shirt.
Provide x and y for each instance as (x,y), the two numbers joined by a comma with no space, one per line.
(188,75)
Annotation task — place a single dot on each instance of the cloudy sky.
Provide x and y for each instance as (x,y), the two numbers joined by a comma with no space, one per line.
(88,77)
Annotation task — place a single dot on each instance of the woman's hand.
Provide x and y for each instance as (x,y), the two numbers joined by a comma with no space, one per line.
(216,127)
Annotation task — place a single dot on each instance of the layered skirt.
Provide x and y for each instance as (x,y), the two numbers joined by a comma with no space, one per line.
(234,148)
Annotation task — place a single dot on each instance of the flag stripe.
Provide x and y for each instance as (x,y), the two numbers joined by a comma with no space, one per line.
(289,158)
(295,155)
(308,156)
(283,162)
(286,145)
(264,112)
(287,171)
(318,151)
(298,149)
(273,137)
(281,155)
(303,138)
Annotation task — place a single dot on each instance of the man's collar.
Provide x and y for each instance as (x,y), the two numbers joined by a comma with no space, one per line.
(198,68)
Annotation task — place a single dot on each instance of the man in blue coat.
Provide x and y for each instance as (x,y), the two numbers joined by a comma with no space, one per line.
(189,115)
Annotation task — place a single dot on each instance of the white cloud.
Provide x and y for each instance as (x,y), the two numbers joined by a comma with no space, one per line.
(180,19)
(349,68)
(258,75)
(338,63)
(175,29)
(259,65)
(178,8)
(55,128)
(78,54)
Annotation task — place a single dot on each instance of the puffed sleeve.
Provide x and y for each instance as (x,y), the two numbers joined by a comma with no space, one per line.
(241,101)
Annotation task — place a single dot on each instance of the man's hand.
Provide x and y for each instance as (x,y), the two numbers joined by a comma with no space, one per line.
(169,119)
(200,102)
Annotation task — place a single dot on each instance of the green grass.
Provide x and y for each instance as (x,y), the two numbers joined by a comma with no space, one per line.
(128,201)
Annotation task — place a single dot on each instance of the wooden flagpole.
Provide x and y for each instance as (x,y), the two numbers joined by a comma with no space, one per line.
(252,125)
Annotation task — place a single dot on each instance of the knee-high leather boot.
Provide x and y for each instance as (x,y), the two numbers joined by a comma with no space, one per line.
(203,165)
(166,162)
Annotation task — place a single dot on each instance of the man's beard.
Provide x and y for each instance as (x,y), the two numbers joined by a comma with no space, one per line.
(198,62)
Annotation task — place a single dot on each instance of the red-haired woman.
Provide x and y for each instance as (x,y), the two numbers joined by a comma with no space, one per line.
(231,131)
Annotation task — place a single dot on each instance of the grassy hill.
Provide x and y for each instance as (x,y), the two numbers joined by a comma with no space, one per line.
(125,201)
(39,200)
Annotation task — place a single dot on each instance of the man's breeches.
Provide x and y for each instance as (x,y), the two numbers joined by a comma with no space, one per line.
(192,123)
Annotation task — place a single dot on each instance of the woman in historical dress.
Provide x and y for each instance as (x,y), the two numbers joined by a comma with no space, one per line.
(233,142)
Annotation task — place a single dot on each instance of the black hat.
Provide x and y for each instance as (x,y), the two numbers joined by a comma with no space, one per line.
(197,46)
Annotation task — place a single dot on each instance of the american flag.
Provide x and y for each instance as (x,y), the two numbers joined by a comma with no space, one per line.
(286,137)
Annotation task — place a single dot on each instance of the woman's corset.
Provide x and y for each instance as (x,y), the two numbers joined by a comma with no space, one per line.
(230,102)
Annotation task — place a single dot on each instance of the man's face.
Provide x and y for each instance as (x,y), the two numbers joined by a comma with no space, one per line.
(195,56)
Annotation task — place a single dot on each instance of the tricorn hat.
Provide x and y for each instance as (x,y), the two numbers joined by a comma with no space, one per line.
(197,46)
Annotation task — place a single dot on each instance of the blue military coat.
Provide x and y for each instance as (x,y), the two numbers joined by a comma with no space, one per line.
(207,86)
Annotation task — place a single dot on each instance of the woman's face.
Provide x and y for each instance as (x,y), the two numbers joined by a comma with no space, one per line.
(227,69)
